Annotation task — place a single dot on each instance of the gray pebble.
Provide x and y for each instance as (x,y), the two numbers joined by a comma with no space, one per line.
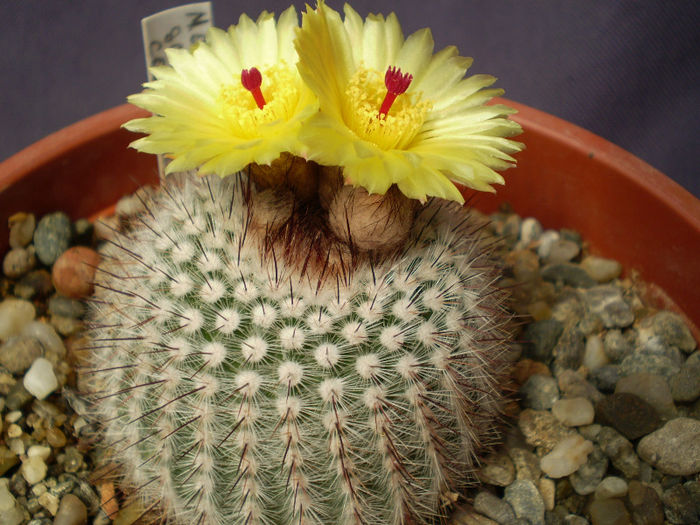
(52,237)
(573,384)
(657,346)
(543,336)
(571,235)
(562,251)
(600,269)
(685,385)
(620,451)
(511,230)
(644,362)
(674,448)
(21,229)
(606,302)
(589,475)
(19,352)
(539,392)
(679,506)
(494,508)
(569,351)
(568,308)
(616,345)
(17,397)
(66,307)
(527,464)
(17,262)
(497,469)
(670,328)
(526,501)
(568,274)
(605,377)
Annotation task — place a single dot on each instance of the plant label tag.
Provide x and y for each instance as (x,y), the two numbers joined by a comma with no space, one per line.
(179,27)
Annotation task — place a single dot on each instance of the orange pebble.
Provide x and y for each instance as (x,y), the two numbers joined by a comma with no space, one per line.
(74,271)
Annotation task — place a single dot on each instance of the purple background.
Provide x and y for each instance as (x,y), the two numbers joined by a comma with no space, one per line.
(626,70)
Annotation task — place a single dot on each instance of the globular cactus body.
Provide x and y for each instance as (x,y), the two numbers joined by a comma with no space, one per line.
(234,388)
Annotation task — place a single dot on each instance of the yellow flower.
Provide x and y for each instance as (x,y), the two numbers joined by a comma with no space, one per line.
(394,113)
(236,99)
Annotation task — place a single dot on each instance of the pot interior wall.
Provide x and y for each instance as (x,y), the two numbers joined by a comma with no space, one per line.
(567,177)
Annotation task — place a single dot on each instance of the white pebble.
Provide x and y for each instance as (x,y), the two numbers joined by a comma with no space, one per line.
(14,314)
(574,412)
(14,431)
(33,469)
(40,379)
(566,457)
(530,230)
(611,487)
(49,502)
(547,239)
(602,270)
(39,451)
(47,336)
(7,500)
(594,355)
(13,417)
(16,445)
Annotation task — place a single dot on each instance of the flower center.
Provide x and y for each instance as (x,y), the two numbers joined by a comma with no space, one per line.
(275,96)
(367,91)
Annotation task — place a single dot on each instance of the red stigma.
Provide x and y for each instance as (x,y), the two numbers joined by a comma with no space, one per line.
(251,80)
(396,83)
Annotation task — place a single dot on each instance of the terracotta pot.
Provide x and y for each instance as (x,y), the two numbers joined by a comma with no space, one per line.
(567,177)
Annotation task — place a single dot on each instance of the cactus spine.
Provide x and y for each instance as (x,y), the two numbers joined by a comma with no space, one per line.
(235,388)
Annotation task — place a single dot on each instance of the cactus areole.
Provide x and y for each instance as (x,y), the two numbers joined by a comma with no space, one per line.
(290,344)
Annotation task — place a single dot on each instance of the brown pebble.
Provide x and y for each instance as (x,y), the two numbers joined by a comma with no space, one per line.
(56,438)
(71,511)
(108,502)
(527,367)
(74,272)
(21,229)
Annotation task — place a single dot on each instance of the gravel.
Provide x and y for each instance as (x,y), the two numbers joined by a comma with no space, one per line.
(593,351)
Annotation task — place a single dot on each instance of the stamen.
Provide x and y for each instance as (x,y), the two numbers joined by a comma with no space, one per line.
(396,83)
(251,80)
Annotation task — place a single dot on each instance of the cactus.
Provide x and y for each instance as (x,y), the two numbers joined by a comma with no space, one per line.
(236,384)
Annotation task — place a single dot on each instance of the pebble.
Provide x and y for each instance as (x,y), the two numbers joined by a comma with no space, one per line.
(679,506)
(611,487)
(543,336)
(8,459)
(601,269)
(66,307)
(527,464)
(539,392)
(645,504)
(542,429)
(568,308)
(605,377)
(74,272)
(569,351)
(562,251)
(17,262)
(71,511)
(609,512)
(36,284)
(526,501)
(587,478)
(606,302)
(644,362)
(573,384)
(670,328)
(39,451)
(52,237)
(10,512)
(21,229)
(594,355)
(546,240)
(567,274)
(685,384)
(55,437)
(49,502)
(620,451)
(19,352)
(530,231)
(498,469)
(628,414)
(616,345)
(14,314)
(651,388)
(47,337)
(574,412)
(83,232)
(674,448)
(548,491)
(493,507)
(40,380)
(33,469)
(566,456)
(527,367)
